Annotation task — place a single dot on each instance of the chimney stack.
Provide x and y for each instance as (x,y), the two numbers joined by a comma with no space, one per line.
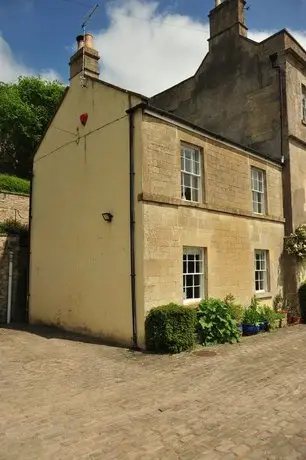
(227,14)
(86,56)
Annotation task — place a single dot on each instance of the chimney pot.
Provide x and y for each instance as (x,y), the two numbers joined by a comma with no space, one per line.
(85,59)
(80,41)
(89,40)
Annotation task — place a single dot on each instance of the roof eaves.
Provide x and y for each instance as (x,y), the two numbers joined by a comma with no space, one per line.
(216,136)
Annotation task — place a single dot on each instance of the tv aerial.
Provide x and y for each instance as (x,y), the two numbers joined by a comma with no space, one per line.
(83,26)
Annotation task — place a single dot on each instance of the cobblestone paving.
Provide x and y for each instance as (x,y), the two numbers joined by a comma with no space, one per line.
(63,399)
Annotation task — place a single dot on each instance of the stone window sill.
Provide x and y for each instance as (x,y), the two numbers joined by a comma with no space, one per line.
(263,295)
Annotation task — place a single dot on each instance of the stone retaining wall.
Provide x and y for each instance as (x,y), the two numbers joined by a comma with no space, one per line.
(14,206)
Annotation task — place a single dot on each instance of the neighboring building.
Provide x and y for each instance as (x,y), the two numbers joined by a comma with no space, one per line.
(255,94)
(136,208)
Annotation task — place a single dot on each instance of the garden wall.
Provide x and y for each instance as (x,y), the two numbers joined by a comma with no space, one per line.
(14,206)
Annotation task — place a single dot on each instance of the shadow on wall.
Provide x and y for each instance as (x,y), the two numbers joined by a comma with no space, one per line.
(13,278)
(299,200)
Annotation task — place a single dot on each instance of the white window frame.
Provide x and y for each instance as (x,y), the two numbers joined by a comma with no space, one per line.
(261,271)
(191,174)
(303,103)
(193,270)
(258,184)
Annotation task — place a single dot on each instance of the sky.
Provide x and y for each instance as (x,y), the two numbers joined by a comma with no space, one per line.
(145,45)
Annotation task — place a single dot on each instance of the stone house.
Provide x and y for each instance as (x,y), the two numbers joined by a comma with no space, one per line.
(255,94)
(134,207)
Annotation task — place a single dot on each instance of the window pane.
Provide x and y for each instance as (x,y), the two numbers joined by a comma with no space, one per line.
(188,165)
(195,195)
(196,168)
(190,266)
(197,291)
(188,193)
(189,293)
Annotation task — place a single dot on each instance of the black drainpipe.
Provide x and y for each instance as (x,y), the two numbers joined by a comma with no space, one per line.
(132,223)
(29,250)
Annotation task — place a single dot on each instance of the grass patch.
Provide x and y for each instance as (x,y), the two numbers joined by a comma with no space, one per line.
(14,184)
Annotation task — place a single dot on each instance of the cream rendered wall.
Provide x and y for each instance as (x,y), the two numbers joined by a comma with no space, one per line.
(80,265)
(223,224)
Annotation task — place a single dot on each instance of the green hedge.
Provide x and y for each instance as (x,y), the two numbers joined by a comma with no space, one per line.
(170,329)
(14,184)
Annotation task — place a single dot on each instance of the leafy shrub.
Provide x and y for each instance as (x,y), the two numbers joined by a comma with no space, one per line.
(236,310)
(13,227)
(302,300)
(170,329)
(14,184)
(252,316)
(270,316)
(216,324)
(295,243)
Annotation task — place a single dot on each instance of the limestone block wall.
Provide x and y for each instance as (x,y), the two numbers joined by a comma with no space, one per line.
(222,223)
(14,206)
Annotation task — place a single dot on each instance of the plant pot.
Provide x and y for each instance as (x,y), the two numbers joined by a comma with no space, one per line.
(240,328)
(293,319)
(263,326)
(283,322)
(250,329)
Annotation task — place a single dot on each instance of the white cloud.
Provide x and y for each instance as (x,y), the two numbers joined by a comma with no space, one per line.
(147,51)
(11,68)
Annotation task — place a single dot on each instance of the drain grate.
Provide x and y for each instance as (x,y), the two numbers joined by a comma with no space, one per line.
(208,353)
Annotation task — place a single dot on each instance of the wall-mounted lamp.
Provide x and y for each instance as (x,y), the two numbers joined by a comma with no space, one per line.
(107,216)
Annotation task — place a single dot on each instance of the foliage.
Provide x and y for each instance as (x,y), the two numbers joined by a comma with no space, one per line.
(14,184)
(216,323)
(170,329)
(255,303)
(302,300)
(26,107)
(236,310)
(270,316)
(252,316)
(280,303)
(295,244)
(13,227)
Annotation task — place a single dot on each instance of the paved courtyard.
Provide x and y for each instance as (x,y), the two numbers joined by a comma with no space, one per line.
(64,399)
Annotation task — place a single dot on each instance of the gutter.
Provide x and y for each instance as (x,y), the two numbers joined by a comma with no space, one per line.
(132,223)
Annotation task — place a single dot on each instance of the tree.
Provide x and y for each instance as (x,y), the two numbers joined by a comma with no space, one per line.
(26,107)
